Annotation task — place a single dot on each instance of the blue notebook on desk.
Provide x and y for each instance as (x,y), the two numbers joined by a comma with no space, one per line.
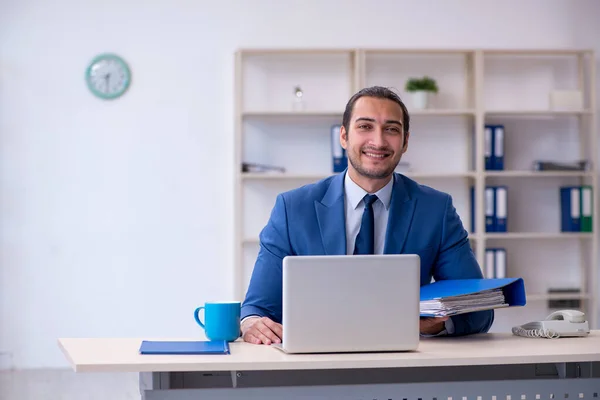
(459,296)
(184,347)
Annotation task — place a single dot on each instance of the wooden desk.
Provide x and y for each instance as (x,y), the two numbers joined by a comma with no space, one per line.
(477,365)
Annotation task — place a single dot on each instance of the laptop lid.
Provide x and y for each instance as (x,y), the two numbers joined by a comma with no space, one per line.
(351,303)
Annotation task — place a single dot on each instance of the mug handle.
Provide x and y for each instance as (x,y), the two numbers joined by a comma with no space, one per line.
(197,318)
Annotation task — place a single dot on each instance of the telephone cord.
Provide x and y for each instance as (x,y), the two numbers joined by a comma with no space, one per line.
(535,333)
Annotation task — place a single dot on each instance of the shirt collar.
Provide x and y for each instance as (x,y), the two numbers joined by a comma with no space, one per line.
(355,193)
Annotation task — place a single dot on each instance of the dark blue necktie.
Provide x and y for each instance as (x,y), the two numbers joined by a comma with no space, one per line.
(365,240)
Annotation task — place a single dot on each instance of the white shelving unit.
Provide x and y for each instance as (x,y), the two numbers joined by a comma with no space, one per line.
(477,87)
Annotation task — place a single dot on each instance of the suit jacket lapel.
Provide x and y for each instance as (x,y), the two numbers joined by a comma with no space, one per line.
(331,216)
(402,208)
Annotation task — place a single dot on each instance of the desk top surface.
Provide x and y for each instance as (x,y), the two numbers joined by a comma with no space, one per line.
(122,355)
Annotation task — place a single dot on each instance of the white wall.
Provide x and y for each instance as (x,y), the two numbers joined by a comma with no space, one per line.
(115,217)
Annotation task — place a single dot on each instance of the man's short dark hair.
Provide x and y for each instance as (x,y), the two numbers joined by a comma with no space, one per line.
(379,92)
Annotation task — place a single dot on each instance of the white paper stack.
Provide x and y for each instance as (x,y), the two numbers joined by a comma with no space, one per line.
(452,305)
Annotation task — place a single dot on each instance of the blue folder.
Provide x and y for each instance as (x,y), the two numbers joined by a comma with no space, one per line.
(184,347)
(512,288)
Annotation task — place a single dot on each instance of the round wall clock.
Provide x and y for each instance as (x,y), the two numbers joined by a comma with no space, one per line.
(108,76)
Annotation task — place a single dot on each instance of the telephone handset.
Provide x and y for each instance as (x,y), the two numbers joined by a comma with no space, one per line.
(564,323)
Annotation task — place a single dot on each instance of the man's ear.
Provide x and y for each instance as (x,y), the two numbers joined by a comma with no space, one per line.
(343,137)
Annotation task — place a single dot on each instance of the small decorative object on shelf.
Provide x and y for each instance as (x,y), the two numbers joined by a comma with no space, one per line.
(549,165)
(252,167)
(298,104)
(421,89)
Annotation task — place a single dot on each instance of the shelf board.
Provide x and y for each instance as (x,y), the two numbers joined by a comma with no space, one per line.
(421,175)
(539,235)
(533,235)
(435,175)
(285,114)
(417,50)
(316,177)
(535,52)
(255,240)
(339,114)
(295,51)
(441,112)
(281,176)
(537,174)
(535,113)
(414,51)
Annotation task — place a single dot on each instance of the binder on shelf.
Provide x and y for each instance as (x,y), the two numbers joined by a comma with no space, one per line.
(338,153)
(488,146)
(490,261)
(494,147)
(459,296)
(490,209)
(500,263)
(586,208)
(495,263)
(498,157)
(570,209)
(184,347)
(501,209)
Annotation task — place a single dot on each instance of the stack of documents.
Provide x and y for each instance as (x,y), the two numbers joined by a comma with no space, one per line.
(464,303)
(459,296)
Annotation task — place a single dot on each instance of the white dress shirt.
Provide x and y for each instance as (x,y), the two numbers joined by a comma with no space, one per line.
(355,207)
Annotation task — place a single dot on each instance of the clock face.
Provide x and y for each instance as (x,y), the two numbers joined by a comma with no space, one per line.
(108,76)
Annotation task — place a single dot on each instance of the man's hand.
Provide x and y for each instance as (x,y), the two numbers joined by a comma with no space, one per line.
(261,331)
(432,326)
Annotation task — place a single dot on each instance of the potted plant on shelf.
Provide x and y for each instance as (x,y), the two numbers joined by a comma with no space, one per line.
(421,89)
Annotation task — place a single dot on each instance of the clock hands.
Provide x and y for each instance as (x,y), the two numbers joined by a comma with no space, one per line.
(107,79)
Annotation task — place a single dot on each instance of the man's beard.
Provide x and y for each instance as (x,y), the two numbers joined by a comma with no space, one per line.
(365,172)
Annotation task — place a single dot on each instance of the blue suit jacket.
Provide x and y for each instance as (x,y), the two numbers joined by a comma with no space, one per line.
(310,220)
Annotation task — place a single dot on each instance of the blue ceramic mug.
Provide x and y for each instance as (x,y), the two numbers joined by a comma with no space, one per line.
(221,320)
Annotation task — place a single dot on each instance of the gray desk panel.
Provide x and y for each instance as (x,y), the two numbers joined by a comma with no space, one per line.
(540,389)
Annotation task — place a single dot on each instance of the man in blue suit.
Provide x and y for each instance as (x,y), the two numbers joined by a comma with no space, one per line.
(368,209)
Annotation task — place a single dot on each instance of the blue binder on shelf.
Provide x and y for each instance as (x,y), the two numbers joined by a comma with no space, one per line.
(184,347)
(494,147)
(459,296)
(338,153)
(570,210)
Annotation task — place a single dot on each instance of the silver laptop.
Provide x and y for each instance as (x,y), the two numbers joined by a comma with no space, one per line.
(350,303)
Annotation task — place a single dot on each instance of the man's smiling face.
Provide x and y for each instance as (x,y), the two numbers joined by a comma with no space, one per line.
(375,140)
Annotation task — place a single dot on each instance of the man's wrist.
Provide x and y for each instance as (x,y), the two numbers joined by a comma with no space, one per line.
(445,328)
(246,319)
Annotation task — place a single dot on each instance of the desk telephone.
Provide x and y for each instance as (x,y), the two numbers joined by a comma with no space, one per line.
(564,323)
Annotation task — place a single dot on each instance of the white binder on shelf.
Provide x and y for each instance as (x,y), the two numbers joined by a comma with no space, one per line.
(501,208)
(500,263)
(489,263)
